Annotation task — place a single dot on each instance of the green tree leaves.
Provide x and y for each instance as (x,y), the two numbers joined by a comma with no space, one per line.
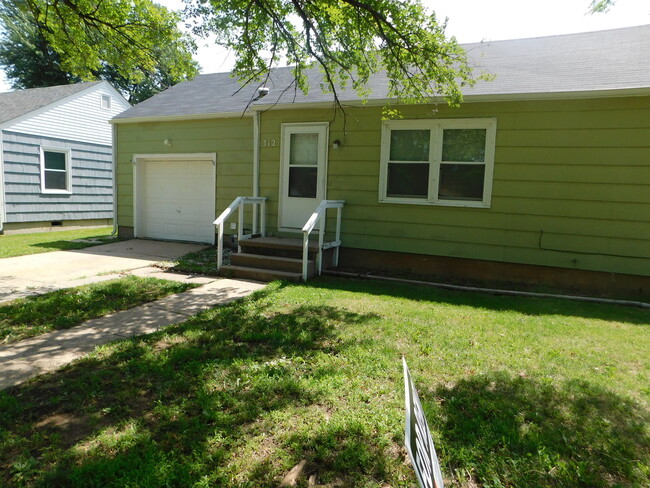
(347,39)
(136,45)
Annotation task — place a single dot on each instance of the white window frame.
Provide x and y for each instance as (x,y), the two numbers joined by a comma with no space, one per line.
(105,101)
(436,127)
(68,172)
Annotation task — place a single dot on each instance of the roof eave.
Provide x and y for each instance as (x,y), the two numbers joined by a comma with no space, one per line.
(468,98)
(179,118)
(37,111)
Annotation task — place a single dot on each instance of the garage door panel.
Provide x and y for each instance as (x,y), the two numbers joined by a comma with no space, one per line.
(177,200)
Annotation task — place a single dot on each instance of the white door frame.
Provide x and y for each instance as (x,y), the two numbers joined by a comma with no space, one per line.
(137,169)
(321,191)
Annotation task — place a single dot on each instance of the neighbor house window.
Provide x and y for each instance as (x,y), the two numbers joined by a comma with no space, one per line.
(439,162)
(106,102)
(55,171)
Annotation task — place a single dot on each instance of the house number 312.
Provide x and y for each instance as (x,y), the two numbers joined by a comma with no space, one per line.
(268,143)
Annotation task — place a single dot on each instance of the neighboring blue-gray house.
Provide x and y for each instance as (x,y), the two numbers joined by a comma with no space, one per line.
(56,166)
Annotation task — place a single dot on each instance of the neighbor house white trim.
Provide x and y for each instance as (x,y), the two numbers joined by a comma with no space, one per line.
(68,170)
(8,124)
(2,183)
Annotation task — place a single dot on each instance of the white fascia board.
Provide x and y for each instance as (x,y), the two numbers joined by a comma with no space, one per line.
(506,97)
(46,108)
(566,95)
(180,118)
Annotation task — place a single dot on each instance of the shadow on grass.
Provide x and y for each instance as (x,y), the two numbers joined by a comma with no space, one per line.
(500,430)
(199,404)
(63,309)
(525,305)
(167,409)
(73,245)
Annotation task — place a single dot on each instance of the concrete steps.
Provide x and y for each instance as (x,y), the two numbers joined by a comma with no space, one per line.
(269,259)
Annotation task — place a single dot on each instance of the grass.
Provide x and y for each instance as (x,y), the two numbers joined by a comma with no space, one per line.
(62,309)
(23,244)
(200,262)
(518,392)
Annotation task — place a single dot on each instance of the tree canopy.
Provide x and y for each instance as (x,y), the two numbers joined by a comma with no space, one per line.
(137,47)
(599,6)
(348,40)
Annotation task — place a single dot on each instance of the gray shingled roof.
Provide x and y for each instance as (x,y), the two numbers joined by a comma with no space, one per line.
(616,59)
(16,103)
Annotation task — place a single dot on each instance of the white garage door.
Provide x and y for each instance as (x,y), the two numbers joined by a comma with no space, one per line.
(176,200)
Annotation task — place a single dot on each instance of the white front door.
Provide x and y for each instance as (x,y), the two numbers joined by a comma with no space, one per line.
(303,172)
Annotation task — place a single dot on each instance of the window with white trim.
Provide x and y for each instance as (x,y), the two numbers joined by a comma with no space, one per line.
(437,162)
(55,171)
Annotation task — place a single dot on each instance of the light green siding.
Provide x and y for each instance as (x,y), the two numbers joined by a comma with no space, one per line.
(571,185)
(231,139)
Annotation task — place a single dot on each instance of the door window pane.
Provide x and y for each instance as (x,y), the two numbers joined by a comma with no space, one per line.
(464,145)
(409,145)
(410,180)
(303,149)
(302,182)
(461,182)
(54,160)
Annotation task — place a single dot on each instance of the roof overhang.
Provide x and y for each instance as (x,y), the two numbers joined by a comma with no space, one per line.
(179,118)
(469,98)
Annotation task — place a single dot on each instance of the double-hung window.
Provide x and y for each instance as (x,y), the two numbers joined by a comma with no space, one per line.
(55,171)
(437,162)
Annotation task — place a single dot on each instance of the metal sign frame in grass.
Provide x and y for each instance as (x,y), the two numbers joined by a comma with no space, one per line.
(419,443)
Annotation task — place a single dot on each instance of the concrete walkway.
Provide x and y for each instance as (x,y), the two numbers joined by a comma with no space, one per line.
(36,274)
(29,358)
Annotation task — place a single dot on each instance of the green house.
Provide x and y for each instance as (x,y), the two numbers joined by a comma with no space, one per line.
(541,176)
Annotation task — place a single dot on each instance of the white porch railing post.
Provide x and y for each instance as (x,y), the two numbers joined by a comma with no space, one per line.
(338,235)
(321,237)
(219,245)
(238,204)
(255,219)
(305,254)
(240,225)
(320,216)
(263,218)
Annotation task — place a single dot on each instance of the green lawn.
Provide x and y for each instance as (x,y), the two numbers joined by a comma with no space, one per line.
(28,317)
(200,262)
(22,244)
(518,392)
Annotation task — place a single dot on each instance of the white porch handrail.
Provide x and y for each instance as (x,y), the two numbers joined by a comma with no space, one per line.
(238,205)
(320,215)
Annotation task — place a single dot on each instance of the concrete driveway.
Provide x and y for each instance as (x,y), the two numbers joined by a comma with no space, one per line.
(39,273)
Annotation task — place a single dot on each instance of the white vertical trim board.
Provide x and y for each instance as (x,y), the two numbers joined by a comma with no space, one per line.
(2,182)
